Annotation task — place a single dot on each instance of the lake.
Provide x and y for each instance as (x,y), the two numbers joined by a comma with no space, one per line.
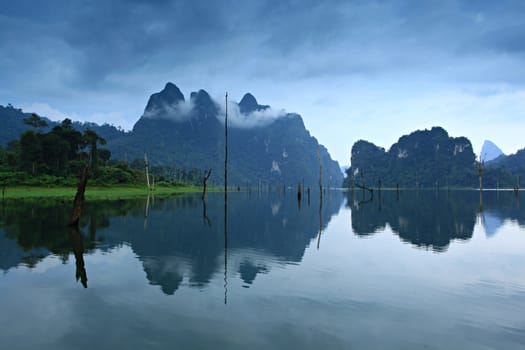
(408,270)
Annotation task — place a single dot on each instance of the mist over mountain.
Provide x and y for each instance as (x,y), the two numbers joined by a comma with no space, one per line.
(267,145)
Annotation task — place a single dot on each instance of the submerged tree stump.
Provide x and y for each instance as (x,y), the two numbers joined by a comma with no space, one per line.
(78,202)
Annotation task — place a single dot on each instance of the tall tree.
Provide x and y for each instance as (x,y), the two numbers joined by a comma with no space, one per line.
(54,152)
(71,136)
(91,139)
(30,151)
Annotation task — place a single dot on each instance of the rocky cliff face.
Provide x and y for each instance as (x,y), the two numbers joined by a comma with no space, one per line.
(489,151)
(265,145)
(424,158)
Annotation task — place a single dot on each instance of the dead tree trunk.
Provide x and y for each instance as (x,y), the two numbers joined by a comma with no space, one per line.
(320,173)
(146,168)
(480,166)
(205,182)
(205,218)
(79,197)
(320,220)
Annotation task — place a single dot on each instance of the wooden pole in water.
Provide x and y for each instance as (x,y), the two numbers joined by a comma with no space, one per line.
(308,192)
(226,203)
(226,146)
(320,221)
(320,173)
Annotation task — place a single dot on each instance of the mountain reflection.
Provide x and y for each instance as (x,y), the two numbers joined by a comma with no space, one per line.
(260,228)
(178,247)
(175,246)
(432,219)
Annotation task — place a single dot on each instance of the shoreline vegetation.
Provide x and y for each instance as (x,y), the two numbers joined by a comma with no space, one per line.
(54,163)
(98,192)
(133,191)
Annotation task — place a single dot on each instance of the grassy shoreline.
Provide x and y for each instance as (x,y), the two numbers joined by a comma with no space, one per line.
(95,192)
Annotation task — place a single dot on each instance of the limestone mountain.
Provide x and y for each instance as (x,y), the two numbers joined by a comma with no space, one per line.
(425,158)
(249,104)
(489,151)
(270,146)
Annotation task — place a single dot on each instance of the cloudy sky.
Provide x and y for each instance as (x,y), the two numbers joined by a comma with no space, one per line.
(370,70)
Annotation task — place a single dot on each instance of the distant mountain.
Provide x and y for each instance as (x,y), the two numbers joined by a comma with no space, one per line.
(508,171)
(265,145)
(489,151)
(424,158)
(12,121)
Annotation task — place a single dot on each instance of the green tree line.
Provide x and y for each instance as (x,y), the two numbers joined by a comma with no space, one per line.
(56,157)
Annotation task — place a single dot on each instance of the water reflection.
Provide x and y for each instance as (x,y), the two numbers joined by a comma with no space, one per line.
(77,243)
(174,246)
(30,230)
(189,241)
(163,283)
(432,219)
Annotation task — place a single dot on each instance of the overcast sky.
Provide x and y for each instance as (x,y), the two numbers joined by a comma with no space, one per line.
(353,69)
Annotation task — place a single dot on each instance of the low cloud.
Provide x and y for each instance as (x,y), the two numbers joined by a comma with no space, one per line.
(184,111)
(255,119)
(178,112)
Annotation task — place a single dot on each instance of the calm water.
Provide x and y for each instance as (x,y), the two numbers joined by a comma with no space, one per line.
(420,270)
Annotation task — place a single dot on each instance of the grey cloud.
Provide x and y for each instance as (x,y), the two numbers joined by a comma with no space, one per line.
(59,51)
(96,40)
